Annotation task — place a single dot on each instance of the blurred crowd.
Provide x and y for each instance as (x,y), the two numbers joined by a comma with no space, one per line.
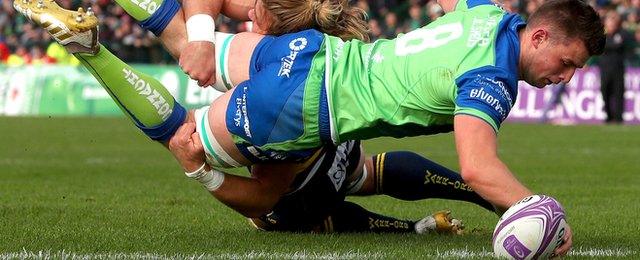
(23,43)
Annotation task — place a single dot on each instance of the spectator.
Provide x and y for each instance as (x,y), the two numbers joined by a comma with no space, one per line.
(375,31)
(416,19)
(634,58)
(39,57)
(61,56)
(631,21)
(612,68)
(390,25)
(4,51)
(19,57)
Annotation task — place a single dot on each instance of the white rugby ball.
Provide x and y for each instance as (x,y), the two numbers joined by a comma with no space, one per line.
(530,229)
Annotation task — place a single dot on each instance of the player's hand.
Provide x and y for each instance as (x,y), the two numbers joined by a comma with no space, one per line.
(186,146)
(563,249)
(198,61)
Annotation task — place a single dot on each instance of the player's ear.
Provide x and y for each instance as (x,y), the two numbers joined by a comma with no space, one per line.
(252,14)
(539,36)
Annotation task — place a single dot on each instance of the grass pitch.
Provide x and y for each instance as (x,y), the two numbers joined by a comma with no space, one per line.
(96,188)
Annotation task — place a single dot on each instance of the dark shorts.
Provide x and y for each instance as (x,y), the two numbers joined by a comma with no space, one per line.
(316,191)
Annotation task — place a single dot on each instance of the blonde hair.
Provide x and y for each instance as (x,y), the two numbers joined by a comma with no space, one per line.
(333,17)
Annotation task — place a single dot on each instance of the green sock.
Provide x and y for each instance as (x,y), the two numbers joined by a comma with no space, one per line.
(144,99)
(140,9)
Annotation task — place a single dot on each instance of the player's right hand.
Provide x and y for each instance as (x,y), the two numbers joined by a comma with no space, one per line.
(198,61)
(186,147)
(567,243)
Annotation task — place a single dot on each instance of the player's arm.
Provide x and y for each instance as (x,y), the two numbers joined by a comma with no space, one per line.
(196,58)
(254,196)
(251,197)
(485,173)
(480,166)
(237,9)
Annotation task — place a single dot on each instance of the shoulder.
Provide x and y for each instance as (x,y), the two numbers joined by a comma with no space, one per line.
(468,4)
(487,92)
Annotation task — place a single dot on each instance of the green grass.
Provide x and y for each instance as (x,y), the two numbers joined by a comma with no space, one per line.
(95,187)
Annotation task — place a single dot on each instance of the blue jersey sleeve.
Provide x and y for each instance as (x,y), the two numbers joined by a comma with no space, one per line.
(488,93)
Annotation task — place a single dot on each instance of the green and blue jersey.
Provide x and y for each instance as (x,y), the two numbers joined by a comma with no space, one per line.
(465,62)
(309,89)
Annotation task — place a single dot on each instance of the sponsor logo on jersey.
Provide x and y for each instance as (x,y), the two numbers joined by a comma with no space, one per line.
(241,113)
(492,83)
(295,46)
(337,53)
(492,101)
(481,29)
(153,96)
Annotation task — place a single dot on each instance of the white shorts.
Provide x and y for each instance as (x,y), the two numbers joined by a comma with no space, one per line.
(223,79)
(215,155)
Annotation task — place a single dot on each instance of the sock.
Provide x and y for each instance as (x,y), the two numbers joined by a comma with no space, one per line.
(409,176)
(350,217)
(141,97)
(153,15)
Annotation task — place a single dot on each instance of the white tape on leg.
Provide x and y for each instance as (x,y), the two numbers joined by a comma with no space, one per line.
(216,155)
(201,27)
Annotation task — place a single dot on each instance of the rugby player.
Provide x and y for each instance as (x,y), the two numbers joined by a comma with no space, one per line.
(343,90)
(314,200)
(458,189)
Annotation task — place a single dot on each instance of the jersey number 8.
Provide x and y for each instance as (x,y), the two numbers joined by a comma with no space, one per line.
(420,39)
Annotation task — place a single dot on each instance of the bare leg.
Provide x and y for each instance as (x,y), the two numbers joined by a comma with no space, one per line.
(174,37)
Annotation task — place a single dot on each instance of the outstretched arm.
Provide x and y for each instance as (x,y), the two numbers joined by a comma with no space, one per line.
(251,197)
(485,173)
(480,166)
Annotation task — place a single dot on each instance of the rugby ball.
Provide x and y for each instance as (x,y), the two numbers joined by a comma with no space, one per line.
(530,229)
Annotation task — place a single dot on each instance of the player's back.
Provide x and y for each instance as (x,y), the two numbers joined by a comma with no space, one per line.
(408,86)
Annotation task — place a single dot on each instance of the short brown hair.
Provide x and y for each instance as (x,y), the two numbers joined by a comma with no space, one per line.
(334,17)
(576,19)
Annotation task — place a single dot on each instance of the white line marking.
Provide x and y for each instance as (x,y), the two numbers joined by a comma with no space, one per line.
(141,255)
(597,252)
(447,254)
(580,251)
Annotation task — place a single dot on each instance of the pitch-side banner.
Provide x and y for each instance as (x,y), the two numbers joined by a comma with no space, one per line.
(68,91)
(59,90)
(581,101)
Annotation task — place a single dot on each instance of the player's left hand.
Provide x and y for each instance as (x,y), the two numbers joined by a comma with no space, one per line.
(563,249)
(186,147)
(195,61)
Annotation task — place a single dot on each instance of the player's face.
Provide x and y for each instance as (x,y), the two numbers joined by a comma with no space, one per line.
(553,62)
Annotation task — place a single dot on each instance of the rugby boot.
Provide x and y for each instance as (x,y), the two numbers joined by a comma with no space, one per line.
(440,222)
(77,31)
